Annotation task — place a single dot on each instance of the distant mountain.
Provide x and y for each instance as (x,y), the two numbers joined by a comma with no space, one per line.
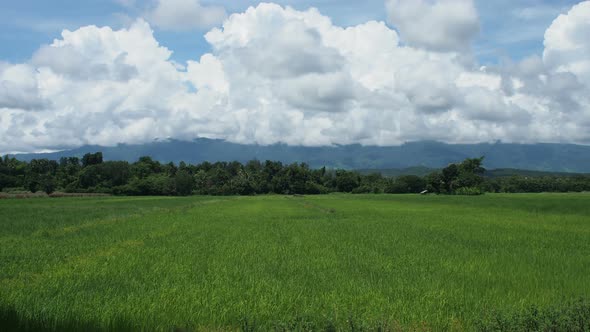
(507,172)
(426,154)
(395,172)
(490,173)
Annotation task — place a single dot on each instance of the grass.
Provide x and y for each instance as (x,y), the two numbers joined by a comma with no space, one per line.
(333,262)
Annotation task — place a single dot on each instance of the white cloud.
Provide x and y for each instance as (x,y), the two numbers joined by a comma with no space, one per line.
(125,3)
(537,12)
(185,15)
(277,74)
(19,88)
(439,25)
(567,45)
(94,81)
(207,74)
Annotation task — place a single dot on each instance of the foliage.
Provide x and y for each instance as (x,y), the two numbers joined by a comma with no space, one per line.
(469,191)
(346,181)
(526,184)
(91,174)
(90,159)
(465,177)
(406,184)
(184,183)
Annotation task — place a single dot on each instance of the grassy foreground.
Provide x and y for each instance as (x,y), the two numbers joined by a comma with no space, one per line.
(275,262)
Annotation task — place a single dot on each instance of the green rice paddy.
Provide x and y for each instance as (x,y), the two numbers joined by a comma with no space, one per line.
(335,262)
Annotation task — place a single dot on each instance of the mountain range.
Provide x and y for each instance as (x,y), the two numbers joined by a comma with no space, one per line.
(539,157)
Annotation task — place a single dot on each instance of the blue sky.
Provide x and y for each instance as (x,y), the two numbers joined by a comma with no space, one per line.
(509,28)
(456,71)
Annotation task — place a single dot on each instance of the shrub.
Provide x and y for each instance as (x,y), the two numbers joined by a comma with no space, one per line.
(312,188)
(16,190)
(72,187)
(48,185)
(126,190)
(407,184)
(469,191)
(366,189)
(363,189)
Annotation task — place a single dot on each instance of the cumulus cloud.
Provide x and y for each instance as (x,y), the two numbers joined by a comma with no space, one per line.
(276,74)
(184,15)
(96,84)
(19,88)
(567,46)
(439,25)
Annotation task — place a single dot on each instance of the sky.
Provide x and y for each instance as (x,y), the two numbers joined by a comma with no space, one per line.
(300,72)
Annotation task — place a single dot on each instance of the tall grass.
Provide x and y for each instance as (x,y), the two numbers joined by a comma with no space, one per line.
(335,262)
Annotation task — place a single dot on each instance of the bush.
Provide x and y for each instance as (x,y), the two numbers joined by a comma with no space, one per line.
(48,185)
(366,189)
(156,185)
(126,190)
(16,190)
(347,181)
(396,188)
(408,184)
(96,190)
(312,188)
(72,187)
(469,191)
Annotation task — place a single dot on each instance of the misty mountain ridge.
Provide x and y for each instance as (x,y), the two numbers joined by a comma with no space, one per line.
(539,157)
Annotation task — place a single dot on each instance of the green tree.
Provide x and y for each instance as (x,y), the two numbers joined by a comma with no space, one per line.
(90,159)
(472,166)
(48,184)
(184,183)
(346,181)
(201,182)
(434,182)
(449,177)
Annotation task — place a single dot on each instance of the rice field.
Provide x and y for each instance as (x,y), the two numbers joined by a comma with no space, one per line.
(332,262)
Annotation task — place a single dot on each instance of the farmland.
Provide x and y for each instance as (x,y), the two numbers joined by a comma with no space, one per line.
(283,262)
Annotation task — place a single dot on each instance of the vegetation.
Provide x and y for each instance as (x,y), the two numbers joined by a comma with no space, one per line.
(573,315)
(91,174)
(334,262)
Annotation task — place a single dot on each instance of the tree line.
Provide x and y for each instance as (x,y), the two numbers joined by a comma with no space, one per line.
(91,174)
